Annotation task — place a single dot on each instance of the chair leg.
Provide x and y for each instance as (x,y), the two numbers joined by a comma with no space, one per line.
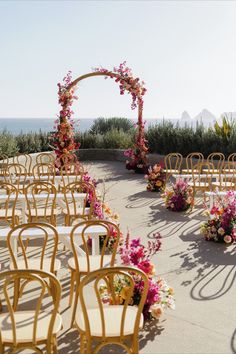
(55,351)
(16,294)
(82,344)
(72,286)
(76,299)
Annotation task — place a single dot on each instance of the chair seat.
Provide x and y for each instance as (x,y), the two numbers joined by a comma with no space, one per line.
(41,212)
(112,317)
(24,326)
(172,171)
(9,213)
(78,211)
(206,170)
(34,263)
(199,184)
(94,262)
(189,171)
(223,184)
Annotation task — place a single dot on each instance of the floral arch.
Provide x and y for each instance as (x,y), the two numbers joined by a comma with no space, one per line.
(63,139)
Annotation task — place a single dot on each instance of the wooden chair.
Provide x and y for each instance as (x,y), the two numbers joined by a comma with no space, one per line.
(74,208)
(8,211)
(41,202)
(226,177)
(25,160)
(45,157)
(49,237)
(27,329)
(202,177)
(217,159)
(44,172)
(16,174)
(173,162)
(4,161)
(73,170)
(191,160)
(232,157)
(82,265)
(115,323)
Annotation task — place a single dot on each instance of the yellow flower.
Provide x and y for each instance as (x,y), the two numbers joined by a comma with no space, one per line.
(124,292)
(158,183)
(115,216)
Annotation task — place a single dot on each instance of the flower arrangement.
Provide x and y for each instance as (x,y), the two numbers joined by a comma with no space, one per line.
(127,82)
(156,178)
(221,225)
(160,295)
(180,196)
(63,139)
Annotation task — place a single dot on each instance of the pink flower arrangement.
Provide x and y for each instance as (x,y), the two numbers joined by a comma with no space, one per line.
(180,196)
(63,139)
(156,178)
(160,295)
(127,82)
(221,225)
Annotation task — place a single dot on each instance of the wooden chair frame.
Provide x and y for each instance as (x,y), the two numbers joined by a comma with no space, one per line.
(10,204)
(33,208)
(45,157)
(45,172)
(190,163)
(122,340)
(213,157)
(27,161)
(16,174)
(173,162)
(27,276)
(76,273)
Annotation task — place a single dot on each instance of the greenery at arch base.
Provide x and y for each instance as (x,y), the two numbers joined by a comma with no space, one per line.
(63,140)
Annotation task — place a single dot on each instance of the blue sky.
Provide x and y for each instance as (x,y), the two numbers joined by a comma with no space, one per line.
(185,51)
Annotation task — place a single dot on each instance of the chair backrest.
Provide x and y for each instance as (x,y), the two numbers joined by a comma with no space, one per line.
(41,196)
(173,161)
(202,172)
(32,231)
(46,284)
(10,194)
(44,171)
(45,157)
(217,159)
(112,277)
(110,240)
(232,157)
(16,174)
(228,173)
(192,159)
(24,159)
(4,161)
(71,201)
(74,169)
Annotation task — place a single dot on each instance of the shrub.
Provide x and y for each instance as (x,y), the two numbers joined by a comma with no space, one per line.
(115,139)
(8,145)
(103,125)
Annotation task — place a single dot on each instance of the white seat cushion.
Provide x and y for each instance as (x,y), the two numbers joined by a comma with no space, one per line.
(112,316)
(24,326)
(223,184)
(94,262)
(41,212)
(78,211)
(34,263)
(9,213)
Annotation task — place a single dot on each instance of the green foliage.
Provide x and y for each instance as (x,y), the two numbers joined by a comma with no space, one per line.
(103,125)
(8,145)
(115,139)
(166,137)
(225,130)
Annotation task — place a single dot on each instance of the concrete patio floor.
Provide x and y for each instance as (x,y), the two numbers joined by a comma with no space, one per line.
(201,273)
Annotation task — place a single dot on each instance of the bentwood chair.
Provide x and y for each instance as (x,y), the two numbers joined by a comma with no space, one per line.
(173,162)
(191,160)
(25,160)
(37,245)
(115,323)
(226,180)
(41,202)
(45,157)
(4,161)
(217,159)
(16,174)
(72,170)
(28,329)
(44,172)
(76,208)
(232,158)
(202,178)
(8,199)
(102,252)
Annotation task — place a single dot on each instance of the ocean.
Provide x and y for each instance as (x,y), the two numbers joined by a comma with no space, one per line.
(27,125)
